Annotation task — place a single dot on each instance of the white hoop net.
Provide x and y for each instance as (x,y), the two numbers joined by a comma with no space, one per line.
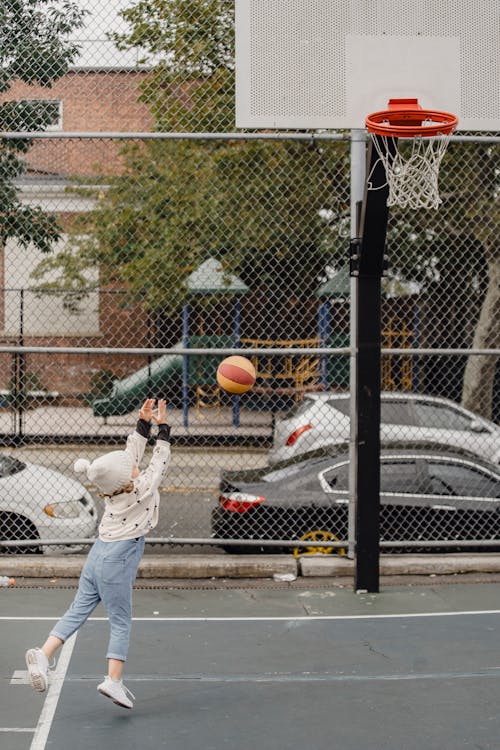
(412,176)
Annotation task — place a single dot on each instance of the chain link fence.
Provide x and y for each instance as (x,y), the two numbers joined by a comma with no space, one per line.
(143,239)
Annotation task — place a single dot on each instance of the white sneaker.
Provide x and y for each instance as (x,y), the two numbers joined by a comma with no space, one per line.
(117,691)
(38,669)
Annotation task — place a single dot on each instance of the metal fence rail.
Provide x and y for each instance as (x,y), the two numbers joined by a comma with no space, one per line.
(143,239)
(51,429)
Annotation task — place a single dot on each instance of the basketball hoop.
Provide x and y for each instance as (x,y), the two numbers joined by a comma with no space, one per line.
(412,173)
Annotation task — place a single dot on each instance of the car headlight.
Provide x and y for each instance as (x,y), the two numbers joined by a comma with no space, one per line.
(71,509)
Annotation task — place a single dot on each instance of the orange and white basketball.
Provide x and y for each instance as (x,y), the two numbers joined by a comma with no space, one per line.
(236,374)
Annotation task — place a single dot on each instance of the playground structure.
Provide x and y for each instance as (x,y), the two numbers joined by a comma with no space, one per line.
(291,374)
(130,391)
(398,372)
(280,378)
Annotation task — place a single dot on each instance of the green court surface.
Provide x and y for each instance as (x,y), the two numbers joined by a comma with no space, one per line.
(259,665)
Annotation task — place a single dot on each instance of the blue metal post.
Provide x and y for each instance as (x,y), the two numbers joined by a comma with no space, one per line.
(185,365)
(236,337)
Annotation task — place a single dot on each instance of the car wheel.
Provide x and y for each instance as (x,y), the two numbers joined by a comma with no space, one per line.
(15,527)
(319,535)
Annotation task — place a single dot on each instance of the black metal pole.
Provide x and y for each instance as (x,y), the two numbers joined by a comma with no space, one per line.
(367,262)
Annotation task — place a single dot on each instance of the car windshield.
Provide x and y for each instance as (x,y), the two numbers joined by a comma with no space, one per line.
(396,475)
(10,465)
(338,478)
(343,405)
(391,411)
(300,408)
(283,472)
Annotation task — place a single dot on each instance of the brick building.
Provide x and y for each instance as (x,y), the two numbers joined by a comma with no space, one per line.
(86,100)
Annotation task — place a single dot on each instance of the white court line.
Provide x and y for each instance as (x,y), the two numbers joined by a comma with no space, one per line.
(304,618)
(52,699)
(20,677)
(491,673)
(16,729)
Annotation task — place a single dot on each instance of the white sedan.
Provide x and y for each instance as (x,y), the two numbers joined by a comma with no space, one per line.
(40,503)
(324,418)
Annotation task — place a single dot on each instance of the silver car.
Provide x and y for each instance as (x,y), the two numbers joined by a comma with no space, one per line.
(40,503)
(323,419)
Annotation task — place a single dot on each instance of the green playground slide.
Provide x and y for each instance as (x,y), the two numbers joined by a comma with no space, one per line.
(128,394)
(162,378)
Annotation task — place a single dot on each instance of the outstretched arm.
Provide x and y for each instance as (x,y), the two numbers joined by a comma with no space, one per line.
(152,476)
(137,441)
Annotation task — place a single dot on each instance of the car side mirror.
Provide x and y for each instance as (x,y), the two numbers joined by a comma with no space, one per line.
(477,426)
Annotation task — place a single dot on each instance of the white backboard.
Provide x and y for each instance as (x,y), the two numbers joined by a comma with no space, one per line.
(329,63)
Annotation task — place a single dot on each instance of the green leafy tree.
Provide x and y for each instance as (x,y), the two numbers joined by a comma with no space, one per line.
(454,255)
(480,207)
(257,205)
(269,209)
(191,87)
(34,48)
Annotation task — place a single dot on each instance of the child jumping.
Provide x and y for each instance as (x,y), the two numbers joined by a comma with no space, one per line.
(131,499)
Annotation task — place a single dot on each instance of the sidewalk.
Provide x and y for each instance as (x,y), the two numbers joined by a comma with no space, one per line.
(68,421)
(279,567)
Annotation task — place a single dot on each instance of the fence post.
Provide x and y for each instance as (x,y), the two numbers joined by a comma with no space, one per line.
(358,171)
(369,267)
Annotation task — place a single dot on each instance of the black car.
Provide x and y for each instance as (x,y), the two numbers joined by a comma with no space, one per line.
(426,496)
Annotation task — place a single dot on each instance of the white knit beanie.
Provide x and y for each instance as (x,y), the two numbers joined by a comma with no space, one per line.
(109,473)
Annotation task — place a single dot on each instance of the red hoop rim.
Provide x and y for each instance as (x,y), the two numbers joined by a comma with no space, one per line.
(404,119)
(380,123)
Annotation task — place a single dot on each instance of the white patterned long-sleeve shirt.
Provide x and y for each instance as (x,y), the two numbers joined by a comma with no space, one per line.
(133,514)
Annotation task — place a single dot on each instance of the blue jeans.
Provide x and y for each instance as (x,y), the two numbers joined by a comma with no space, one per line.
(108,576)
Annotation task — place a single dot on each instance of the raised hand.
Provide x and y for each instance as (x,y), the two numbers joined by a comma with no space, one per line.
(160,415)
(146,411)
